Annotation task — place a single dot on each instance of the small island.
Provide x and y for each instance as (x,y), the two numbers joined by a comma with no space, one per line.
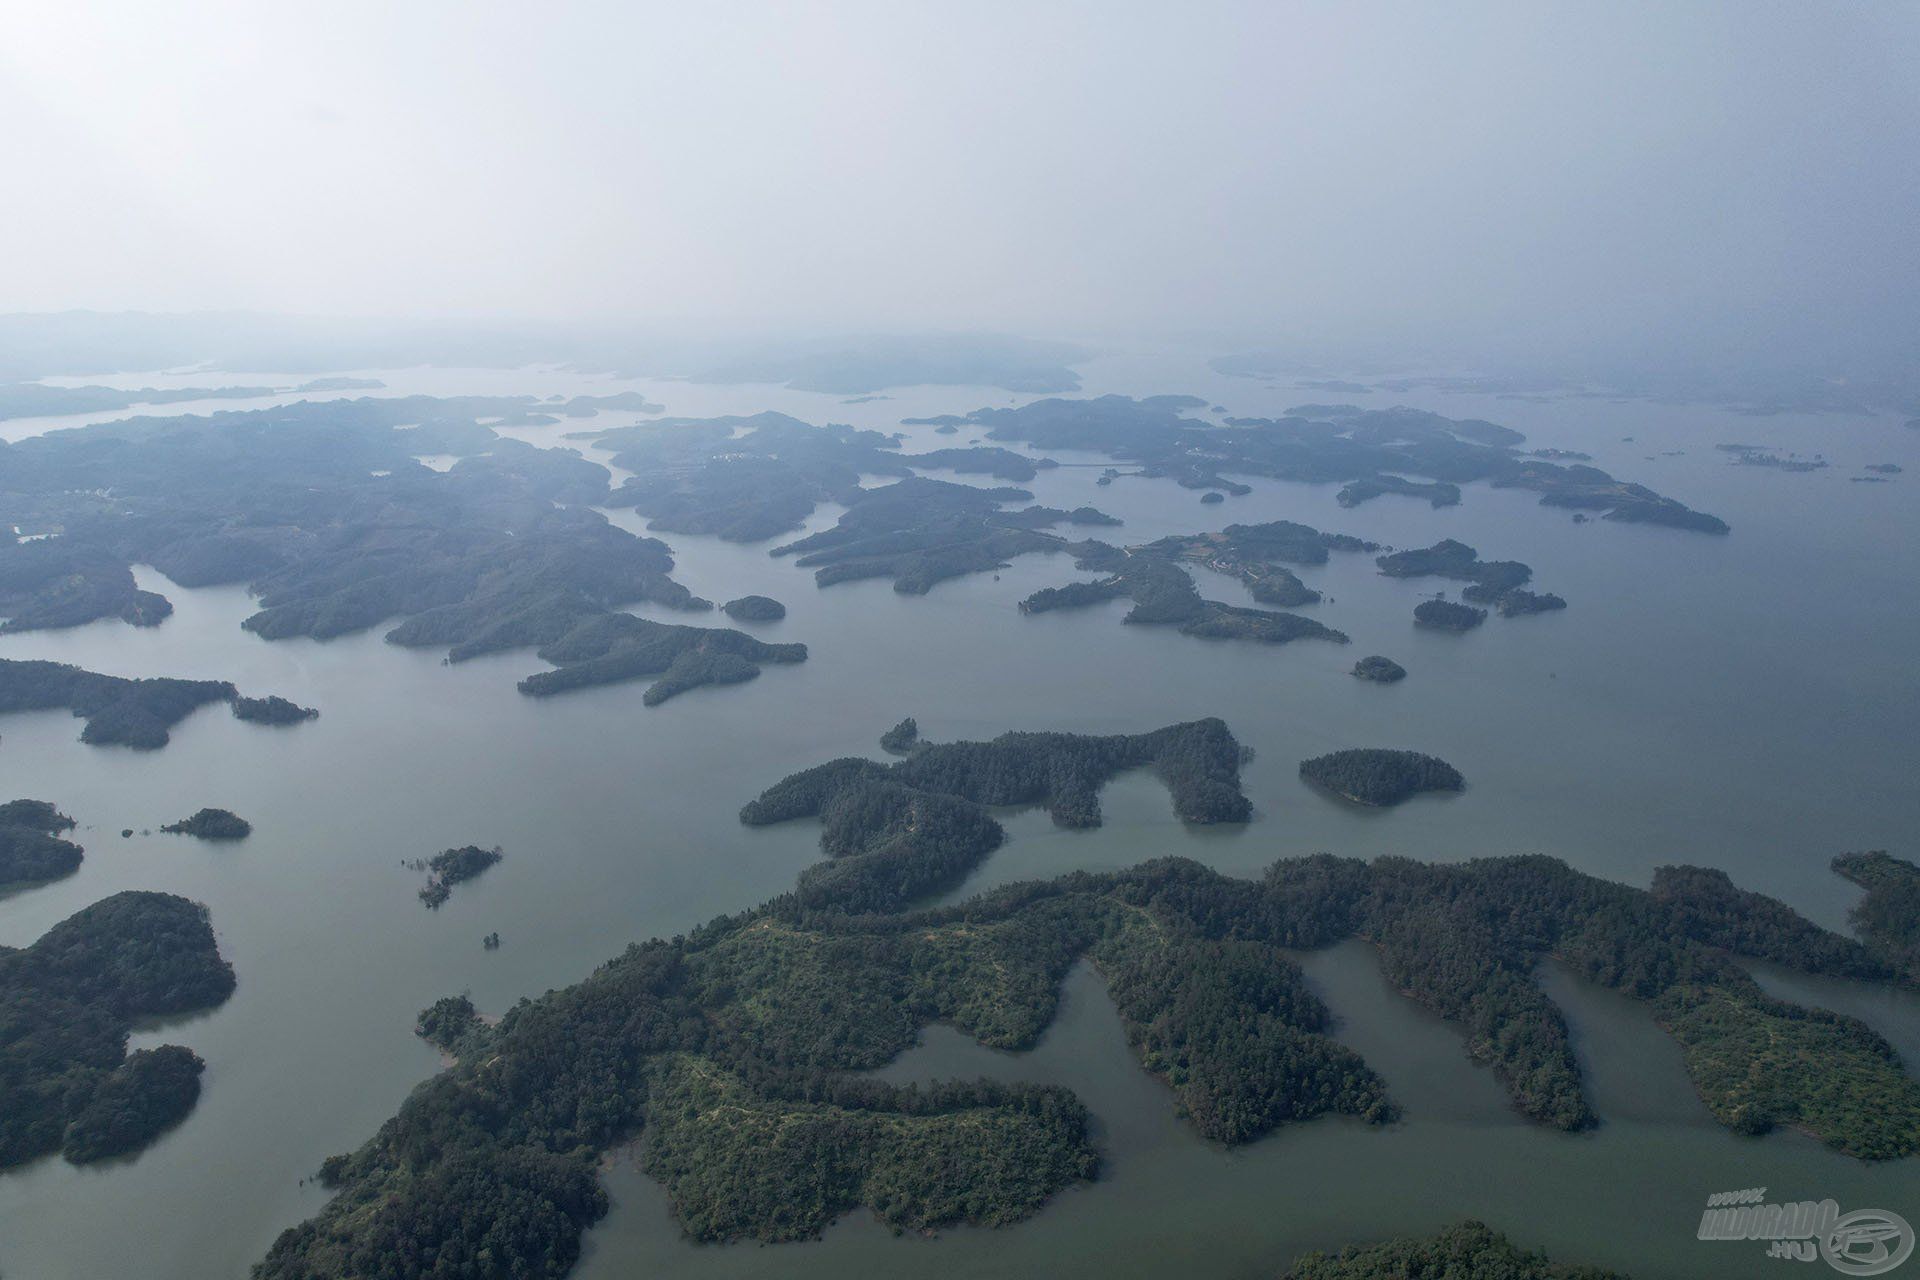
(902,738)
(1379,669)
(271,709)
(30,845)
(1518,603)
(754,609)
(451,867)
(211,824)
(1377,777)
(1445,615)
(1211,497)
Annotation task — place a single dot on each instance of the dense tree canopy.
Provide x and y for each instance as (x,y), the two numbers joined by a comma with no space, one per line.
(67,1003)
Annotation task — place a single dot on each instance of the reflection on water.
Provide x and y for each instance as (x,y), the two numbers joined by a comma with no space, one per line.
(1741,702)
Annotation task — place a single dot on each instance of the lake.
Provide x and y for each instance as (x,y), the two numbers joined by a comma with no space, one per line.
(1746,702)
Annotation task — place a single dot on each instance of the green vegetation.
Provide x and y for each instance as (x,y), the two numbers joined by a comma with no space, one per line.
(738,1048)
(754,609)
(1470,1251)
(1369,451)
(1518,603)
(271,710)
(149,1093)
(38,400)
(921,532)
(134,713)
(1888,917)
(894,833)
(56,582)
(67,1003)
(1374,776)
(1445,615)
(450,867)
(1164,593)
(212,824)
(1381,669)
(608,648)
(324,512)
(1499,583)
(30,845)
(902,738)
(738,1164)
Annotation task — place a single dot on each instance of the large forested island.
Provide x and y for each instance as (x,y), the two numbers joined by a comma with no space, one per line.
(735,1046)
(1370,451)
(66,1005)
(325,513)
(1156,578)
(130,712)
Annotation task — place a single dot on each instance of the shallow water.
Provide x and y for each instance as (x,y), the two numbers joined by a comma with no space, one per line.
(1743,702)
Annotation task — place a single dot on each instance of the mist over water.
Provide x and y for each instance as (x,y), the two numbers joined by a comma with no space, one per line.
(1603,189)
(1634,231)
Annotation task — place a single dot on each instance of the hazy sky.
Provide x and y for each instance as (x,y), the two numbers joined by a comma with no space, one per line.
(1485,169)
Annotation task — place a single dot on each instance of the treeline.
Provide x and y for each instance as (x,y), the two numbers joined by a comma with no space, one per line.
(67,1003)
(1470,1251)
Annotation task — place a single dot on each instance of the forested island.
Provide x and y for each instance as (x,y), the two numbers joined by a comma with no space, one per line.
(450,867)
(323,511)
(271,709)
(752,477)
(136,713)
(67,1003)
(754,609)
(611,647)
(211,824)
(1376,776)
(1470,1251)
(1163,591)
(736,1047)
(30,845)
(1369,451)
(920,532)
(1500,583)
(1381,670)
(1446,615)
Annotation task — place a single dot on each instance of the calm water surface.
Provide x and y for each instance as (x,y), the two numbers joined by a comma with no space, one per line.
(1744,702)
